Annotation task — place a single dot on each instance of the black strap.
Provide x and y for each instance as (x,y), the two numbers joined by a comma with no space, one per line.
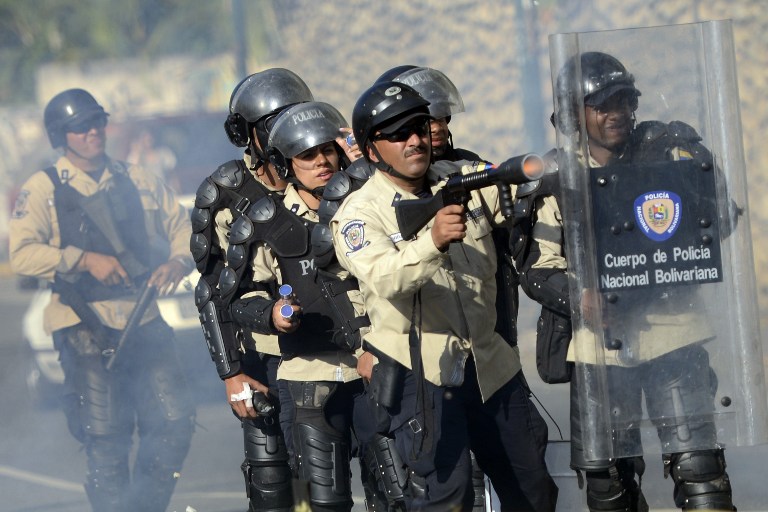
(423,418)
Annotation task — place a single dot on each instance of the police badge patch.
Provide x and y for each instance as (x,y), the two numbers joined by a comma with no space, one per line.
(354,235)
(20,208)
(658,214)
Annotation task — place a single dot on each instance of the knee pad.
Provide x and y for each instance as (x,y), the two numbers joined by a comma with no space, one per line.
(323,460)
(321,452)
(265,468)
(385,476)
(269,487)
(700,480)
(614,489)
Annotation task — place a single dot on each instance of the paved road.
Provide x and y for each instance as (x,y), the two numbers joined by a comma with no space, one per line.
(42,467)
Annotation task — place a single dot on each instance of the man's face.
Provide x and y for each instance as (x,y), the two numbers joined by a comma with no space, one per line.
(407,150)
(315,166)
(87,137)
(438,129)
(609,124)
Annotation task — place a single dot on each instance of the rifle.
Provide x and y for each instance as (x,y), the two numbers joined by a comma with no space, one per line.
(414,214)
(98,210)
(145,299)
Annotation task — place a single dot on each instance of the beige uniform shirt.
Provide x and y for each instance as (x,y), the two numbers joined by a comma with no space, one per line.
(264,343)
(35,243)
(339,366)
(457,288)
(659,327)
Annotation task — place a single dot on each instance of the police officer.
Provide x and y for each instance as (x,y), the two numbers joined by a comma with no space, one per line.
(100,230)
(611,99)
(430,302)
(317,321)
(247,363)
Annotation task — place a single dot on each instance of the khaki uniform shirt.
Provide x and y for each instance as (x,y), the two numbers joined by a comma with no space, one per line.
(338,366)
(655,331)
(264,343)
(35,243)
(457,288)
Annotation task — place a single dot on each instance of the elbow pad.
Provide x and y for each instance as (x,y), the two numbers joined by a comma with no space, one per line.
(548,287)
(254,313)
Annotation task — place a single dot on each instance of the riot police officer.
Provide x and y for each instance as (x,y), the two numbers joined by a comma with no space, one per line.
(672,370)
(76,225)
(452,375)
(320,320)
(246,361)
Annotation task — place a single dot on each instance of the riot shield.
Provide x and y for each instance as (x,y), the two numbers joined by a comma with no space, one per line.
(666,334)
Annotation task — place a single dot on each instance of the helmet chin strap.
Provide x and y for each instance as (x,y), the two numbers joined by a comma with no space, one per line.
(317,191)
(384,166)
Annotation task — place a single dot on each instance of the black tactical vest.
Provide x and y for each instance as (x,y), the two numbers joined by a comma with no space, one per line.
(86,221)
(328,318)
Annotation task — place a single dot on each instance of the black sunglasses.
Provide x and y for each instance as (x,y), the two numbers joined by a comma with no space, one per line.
(85,125)
(420,128)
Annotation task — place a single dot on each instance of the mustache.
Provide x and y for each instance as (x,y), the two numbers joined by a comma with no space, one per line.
(415,150)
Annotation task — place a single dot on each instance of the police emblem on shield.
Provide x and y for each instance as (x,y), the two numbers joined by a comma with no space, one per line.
(658,214)
(354,235)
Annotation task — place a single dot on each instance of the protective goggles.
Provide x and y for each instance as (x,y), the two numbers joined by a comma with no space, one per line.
(420,128)
(85,125)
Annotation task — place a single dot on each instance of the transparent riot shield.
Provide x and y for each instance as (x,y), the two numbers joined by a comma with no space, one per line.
(666,335)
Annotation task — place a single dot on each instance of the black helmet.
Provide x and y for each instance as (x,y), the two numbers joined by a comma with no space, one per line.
(385,103)
(259,95)
(301,127)
(602,76)
(66,108)
(394,72)
(443,96)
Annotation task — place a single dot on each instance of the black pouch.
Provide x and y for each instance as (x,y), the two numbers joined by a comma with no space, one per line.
(387,379)
(553,335)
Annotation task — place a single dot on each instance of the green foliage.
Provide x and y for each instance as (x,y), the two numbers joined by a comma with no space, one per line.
(38,31)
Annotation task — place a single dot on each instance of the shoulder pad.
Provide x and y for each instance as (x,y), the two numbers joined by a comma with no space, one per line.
(262,210)
(360,170)
(236,255)
(322,245)
(649,131)
(327,210)
(201,218)
(444,168)
(681,130)
(527,188)
(338,187)
(207,194)
(229,174)
(242,230)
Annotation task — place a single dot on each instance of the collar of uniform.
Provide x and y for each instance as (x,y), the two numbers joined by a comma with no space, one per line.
(293,201)
(382,181)
(74,172)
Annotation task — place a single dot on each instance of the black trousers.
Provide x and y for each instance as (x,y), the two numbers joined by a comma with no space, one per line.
(146,390)
(506,433)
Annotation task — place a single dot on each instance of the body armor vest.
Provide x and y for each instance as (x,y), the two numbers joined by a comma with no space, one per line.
(328,320)
(109,222)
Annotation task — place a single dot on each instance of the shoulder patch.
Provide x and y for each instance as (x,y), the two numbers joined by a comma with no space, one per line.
(354,235)
(20,208)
